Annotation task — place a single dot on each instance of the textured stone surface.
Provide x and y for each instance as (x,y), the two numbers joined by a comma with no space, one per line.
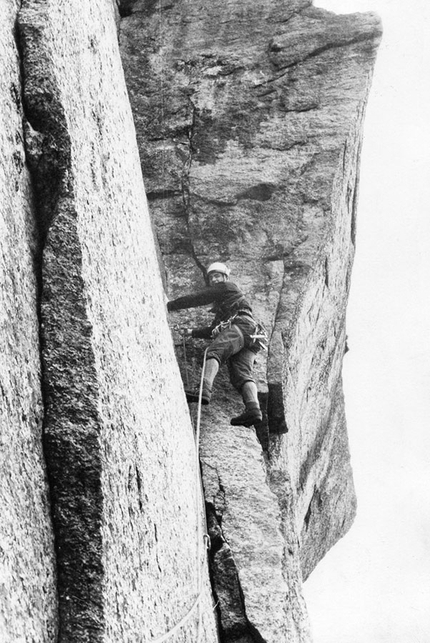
(316,445)
(248,537)
(249,118)
(27,567)
(119,444)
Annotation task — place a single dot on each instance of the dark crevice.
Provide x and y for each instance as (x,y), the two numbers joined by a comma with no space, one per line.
(326,273)
(267,82)
(185,186)
(18,96)
(227,591)
(316,503)
(214,529)
(299,110)
(308,515)
(354,201)
(323,48)
(259,192)
(354,212)
(276,410)
(255,634)
(156,195)
(139,488)
(125,7)
(344,157)
(275,398)
(233,623)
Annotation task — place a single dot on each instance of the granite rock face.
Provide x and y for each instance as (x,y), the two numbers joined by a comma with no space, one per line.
(119,445)
(27,562)
(249,121)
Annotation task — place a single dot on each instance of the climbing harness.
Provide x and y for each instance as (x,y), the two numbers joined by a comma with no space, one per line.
(200,537)
(222,326)
(260,338)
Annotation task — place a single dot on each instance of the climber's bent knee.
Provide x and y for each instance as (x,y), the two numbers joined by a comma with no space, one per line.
(241,368)
(229,342)
(238,382)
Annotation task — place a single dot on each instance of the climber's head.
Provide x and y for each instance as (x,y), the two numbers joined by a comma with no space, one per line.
(217,272)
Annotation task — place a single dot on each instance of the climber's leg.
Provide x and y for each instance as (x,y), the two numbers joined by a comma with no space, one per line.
(211,369)
(252,414)
(249,393)
(241,375)
(229,342)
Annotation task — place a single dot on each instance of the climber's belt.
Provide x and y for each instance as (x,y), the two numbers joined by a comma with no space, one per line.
(223,326)
(256,341)
(228,322)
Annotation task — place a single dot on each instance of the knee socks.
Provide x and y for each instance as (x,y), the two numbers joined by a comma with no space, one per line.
(211,369)
(250,396)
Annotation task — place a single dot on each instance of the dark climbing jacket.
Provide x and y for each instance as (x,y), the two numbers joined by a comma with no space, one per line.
(227,299)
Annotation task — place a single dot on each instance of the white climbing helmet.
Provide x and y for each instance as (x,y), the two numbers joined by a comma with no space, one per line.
(218,267)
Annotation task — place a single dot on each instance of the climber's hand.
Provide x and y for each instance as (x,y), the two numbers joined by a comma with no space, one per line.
(187,332)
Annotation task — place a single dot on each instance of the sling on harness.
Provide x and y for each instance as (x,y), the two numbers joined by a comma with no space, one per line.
(260,338)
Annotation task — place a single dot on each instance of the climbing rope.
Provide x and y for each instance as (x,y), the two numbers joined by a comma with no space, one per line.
(184,346)
(199,486)
(199,407)
(200,537)
(178,625)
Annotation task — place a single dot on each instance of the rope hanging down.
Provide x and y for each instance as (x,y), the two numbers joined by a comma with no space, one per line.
(200,537)
(199,486)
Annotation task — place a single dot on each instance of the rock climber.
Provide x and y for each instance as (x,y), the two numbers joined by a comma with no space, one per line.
(233,334)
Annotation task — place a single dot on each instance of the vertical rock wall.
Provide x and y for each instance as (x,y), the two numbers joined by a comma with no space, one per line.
(27,564)
(316,446)
(249,119)
(119,446)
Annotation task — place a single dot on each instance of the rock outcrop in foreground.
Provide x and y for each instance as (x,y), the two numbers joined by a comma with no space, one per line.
(28,607)
(118,442)
(248,118)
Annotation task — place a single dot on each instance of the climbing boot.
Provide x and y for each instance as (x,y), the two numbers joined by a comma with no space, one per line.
(252,415)
(193,395)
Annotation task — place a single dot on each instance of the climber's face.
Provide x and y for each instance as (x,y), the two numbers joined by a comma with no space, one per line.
(216,278)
